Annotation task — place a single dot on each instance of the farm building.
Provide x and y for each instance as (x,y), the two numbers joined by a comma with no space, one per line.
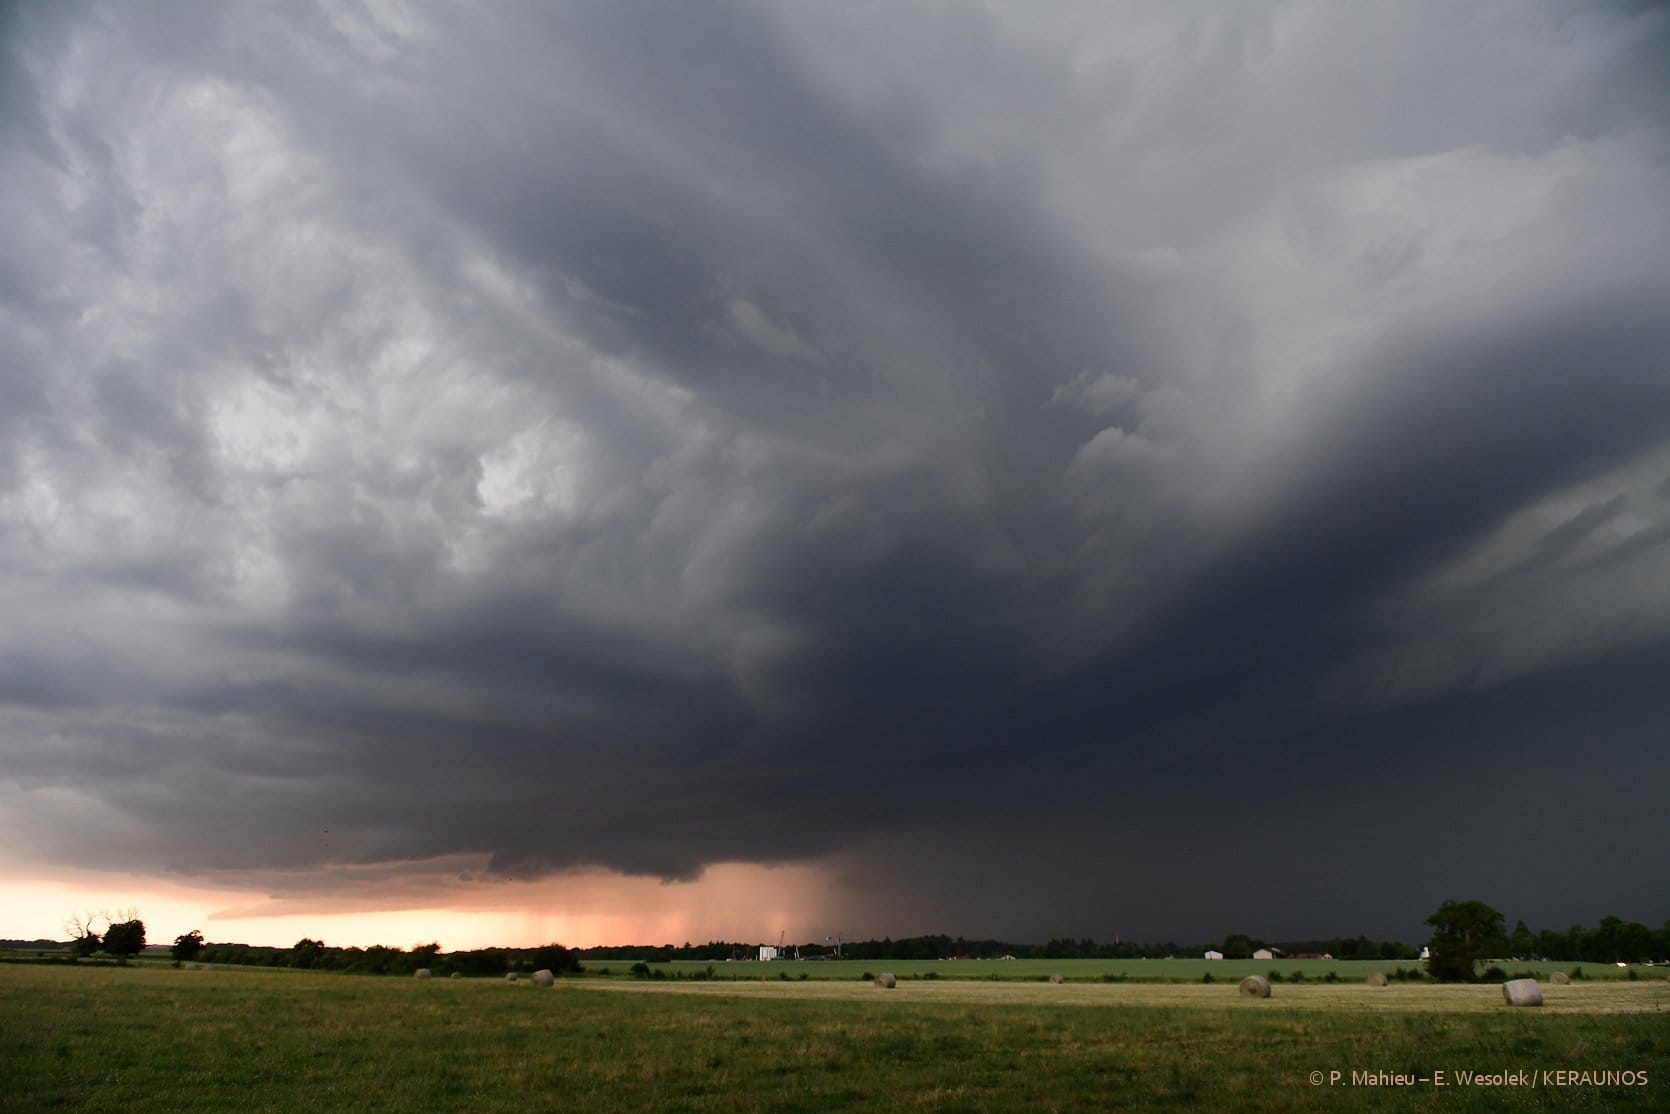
(1214,955)
(1264,953)
(767,953)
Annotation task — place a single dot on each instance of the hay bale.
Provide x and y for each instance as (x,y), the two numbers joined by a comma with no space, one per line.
(1378,979)
(886,981)
(421,973)
(1057,979)
(510,977)
(1255,986)
(544,978)
(455,975)
(1522,992)
(1559,978)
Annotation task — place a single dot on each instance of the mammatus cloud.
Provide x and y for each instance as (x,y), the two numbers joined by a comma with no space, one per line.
(644,438)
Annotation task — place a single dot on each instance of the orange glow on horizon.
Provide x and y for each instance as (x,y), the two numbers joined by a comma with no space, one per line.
(730,901)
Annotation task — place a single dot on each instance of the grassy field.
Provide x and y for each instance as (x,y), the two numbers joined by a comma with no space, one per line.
(149,1039)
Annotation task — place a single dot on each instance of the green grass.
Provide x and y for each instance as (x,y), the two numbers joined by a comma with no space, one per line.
(147,1039)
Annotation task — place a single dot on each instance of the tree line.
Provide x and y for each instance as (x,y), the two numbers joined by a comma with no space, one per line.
(1613,940)
(316,955)
(1465,934)
(1468,933)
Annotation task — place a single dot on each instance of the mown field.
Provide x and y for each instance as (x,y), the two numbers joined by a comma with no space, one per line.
(1097,970)
(150,1039)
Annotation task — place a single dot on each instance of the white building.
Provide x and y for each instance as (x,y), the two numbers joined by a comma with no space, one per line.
(1264,953)
(767,953)
(1214,955)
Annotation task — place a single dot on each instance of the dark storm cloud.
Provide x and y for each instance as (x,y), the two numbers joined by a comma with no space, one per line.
(657,435)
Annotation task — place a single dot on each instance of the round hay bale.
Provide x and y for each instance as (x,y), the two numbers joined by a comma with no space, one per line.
(1559,978)
(421,973)
(1057,979)
(886,981)
(456,975)
(544,978)
(1255,986)
(1378,979)
(511,977)
(1522,992)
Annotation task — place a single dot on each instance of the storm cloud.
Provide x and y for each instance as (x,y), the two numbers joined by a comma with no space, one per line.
(1049,456)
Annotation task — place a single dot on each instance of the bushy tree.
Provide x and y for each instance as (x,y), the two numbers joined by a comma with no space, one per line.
(125,938)
(187,947)
(306,952)
(1464,932)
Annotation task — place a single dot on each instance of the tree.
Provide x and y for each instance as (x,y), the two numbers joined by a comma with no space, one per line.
(187,948)
(1464,932)
(556,959)
(1240,946)
(125,938)
(306,952)
(83,940)
(1522,944)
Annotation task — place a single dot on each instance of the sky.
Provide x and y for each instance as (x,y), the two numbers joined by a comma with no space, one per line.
(636,473)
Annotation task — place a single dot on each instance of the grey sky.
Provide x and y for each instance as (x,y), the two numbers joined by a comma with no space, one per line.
(1110,468)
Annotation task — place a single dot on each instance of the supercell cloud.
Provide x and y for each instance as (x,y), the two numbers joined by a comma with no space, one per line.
(1150,468)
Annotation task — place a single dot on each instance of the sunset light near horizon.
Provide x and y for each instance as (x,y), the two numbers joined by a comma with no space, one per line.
(731,902)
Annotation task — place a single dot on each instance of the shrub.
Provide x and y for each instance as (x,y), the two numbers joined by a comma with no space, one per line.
(640,970)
